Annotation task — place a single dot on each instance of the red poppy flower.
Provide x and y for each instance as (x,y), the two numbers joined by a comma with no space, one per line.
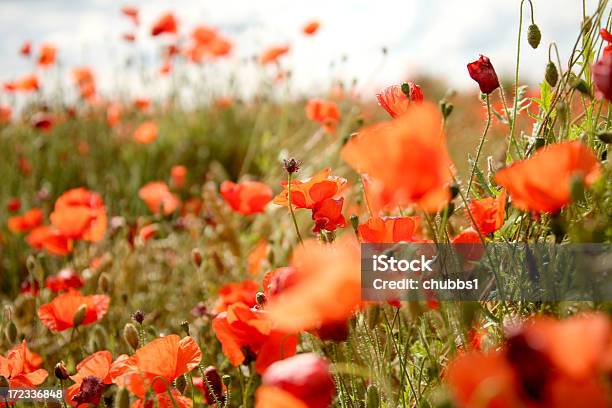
(32,360)
(58,315)
(324,112)
(395,101)
(163,400)
(80,214)
(13,205)
(308,193)
(311,27)
(113,114)
(602,75)
(157,364)
(483,73)
(242,292)
(128,37)
(247,197)
(607,37)
(27,83)
(329,277)
(146,132)
(85,81)
(43,121)
(248,334)
(273,54)
(407,156)
(542,182)
(158,198)
(178,174)
(47,55)
(93,373)
(468,244)
(277,280)
(27,221)
(132,13)
(165,24)
(389,230)
(305,377)
(29,287)
(6,112)
(64,280)
(51,239)
(16,368)
(26,49)
(257,257)
(327,215)
(488,213)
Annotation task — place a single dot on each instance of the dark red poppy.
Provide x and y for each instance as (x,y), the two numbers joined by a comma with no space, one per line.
(165,24)
(482,71)
(602,76)
(64,280)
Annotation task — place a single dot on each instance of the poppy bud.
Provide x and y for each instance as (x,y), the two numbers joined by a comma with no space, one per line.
(587,24)
(213,390)
(562,111)
(602,76)
(180,383)
(605,137)
(260,298)
(11,332)
(534,36)
(104,283)
(354,223)
(580,85)
(60,371)
(484,74)
(185,326)
(79,315)
(196,256)
(372,397)
(130,335)
(227,380)
(122,398)
(551,75)
(446,108)
(454,190)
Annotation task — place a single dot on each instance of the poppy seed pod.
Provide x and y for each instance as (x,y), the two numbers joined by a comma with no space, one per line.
(534,36)
(79,316)
(484,74)
(130,335)
(372,397)
(551,75)
(185,326)
(60,371)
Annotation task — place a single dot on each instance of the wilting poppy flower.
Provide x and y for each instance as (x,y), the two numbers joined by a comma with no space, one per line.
(311,27)
(51,239)
(327,215)
(488,213)
(165,24)
(80,214)
(132,13)
(242,292)
(308,193)
(323,112)
(17,368)
(542,182)
(6,112)
(64,280)
(27,83)
(26,49)
(305,377)
(407,156)
(248,334)
(483,73)
(602,75)
(157,364)
(257,257)
(27,221)
(58,315)
(389,230)
(273,54)
(328,277)
(93,373)
(146,133)
(178,174)
(247,197)
(46,56)
(158,198)
(396,102)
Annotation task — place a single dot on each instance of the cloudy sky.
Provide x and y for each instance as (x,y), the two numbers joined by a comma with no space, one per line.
(436,37)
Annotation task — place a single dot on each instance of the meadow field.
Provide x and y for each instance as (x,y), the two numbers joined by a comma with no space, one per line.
(158,252)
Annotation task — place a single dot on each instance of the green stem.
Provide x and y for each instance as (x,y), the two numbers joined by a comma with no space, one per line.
(480,144)
(297,229)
